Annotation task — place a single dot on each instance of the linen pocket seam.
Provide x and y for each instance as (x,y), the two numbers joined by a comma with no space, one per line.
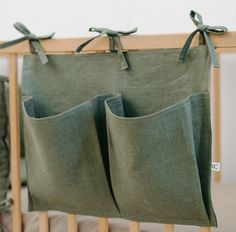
(153,116)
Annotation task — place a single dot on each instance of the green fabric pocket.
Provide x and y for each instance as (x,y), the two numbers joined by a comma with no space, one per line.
(154,82)
(67,159)
(155,162)
(4,150)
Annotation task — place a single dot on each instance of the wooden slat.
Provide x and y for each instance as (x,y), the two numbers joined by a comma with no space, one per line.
(72,223)
(103,225)
(14,143)
(205,229)
(226,50)
(216,118)
(133,42)
(168,228)
(43,222)
(225,40)
(134,226)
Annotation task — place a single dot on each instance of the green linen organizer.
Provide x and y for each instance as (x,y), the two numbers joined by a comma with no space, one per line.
(83,99)
(4,149)
(67,84)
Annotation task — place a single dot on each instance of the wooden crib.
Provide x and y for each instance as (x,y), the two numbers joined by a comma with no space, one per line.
(223,44)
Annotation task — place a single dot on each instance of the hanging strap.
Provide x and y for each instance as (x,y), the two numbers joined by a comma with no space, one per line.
(204,30)
(114,41)
(34,41)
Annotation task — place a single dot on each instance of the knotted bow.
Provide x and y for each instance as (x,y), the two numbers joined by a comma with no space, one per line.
(34,41)
(114,41)
(204,30)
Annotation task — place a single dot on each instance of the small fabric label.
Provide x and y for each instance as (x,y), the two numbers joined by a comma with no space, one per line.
(215,166)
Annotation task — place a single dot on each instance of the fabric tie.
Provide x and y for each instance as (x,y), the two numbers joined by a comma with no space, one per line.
(114,41)
(34,41)
(204,30)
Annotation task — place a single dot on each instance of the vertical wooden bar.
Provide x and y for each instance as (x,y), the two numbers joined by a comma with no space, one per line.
(14,143)
(205,229)
(134,226)
(216,117)
(168,228)
(72,223)
(43,222)
(71,218)
(103,225)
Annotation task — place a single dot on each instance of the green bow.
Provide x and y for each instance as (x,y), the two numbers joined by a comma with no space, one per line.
(114,41)
(204,30)
(35,46)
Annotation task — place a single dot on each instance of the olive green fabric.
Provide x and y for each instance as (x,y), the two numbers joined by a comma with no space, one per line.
(4,152)
(152,120)
(65,155)
(157,161)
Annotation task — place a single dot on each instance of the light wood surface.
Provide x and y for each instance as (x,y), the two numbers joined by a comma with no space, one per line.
(205,229)
(14,143)
(168,228)
(216,117)
(221,50)
(134,226)
(133,42)
(103,225)
(43,222)
(72,223)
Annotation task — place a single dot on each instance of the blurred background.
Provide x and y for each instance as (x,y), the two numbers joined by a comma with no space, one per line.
(72,18)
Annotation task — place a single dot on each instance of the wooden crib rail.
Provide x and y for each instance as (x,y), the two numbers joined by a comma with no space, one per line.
(132,42)
(14,142)
(223,43)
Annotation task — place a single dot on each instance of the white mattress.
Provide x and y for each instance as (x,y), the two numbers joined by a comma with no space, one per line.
(224,200)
